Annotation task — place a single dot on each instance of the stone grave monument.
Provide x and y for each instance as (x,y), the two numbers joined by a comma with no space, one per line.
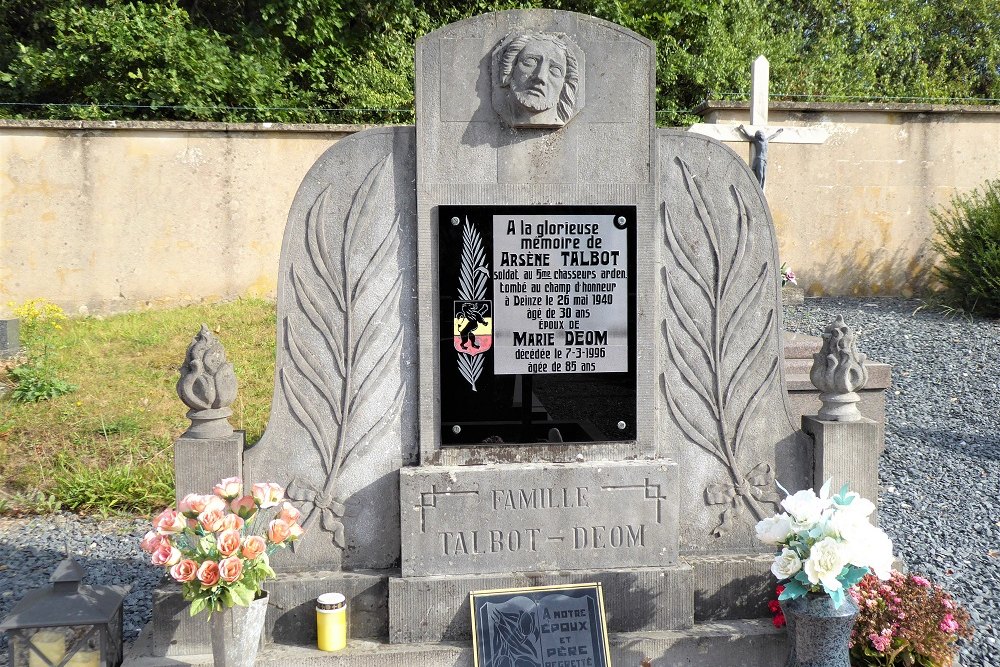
(532,340)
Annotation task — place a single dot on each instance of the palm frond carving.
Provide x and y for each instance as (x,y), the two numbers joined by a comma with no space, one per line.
(718,335)
(515,636)
(472,279)
(339,357)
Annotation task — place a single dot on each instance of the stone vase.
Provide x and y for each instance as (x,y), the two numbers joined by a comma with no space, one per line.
(237,634)
(818,632)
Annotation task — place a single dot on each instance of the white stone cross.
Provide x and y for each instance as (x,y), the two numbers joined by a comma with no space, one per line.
(758,132)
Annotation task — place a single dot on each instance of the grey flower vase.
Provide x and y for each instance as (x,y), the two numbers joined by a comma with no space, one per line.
(818,632)
(237,634)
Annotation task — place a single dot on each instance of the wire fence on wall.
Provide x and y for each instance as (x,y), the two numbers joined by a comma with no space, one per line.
(374,115)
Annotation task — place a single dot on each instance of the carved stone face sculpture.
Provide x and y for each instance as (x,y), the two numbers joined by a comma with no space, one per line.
(535,80)
(538,75)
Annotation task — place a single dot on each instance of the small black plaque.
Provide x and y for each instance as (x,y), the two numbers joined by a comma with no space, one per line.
(544,626)
(538,324)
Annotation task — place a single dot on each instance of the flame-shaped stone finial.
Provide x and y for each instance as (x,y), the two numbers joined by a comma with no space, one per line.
(838,372)
(208,386)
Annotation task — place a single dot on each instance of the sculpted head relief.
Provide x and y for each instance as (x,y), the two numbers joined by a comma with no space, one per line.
(536,77)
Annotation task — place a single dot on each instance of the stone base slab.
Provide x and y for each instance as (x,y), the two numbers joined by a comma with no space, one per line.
(723,644)
(291,611)
(537,517)
(432,609)
(731,586)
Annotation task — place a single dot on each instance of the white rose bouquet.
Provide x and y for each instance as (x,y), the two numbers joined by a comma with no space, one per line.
(827,544)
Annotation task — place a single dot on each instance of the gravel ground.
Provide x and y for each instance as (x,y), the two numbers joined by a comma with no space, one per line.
(940,474)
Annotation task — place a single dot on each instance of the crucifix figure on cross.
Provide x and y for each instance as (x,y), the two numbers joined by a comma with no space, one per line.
(759,133)
(758,141)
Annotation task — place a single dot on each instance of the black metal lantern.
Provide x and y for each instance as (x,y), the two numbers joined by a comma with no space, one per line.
(66,624)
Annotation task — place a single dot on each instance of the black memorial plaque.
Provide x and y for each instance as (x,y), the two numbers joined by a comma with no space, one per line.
(545,626)
(538,317)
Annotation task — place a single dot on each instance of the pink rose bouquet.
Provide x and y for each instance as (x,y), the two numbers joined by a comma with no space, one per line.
(217,545)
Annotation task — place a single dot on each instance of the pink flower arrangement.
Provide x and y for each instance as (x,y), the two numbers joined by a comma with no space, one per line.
(211,545)
(787,275)
(905,620)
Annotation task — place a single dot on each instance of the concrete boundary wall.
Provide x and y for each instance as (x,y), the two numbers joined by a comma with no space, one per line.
(853,214)
(108,216)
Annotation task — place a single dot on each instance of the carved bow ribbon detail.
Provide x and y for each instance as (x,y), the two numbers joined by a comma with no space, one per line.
(756,486)
(331,512)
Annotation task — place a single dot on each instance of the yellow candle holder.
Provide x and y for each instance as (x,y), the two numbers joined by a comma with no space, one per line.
(331,622)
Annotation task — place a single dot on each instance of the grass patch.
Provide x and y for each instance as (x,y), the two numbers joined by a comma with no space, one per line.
(117,487)
(108,446)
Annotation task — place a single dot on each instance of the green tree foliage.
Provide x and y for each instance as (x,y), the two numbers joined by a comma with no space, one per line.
(352,60)
(148,60)
(968,238)
(899,49)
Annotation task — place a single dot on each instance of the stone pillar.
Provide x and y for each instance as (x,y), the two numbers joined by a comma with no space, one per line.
(847,444)
(847,452)
(199,463)
(209,450)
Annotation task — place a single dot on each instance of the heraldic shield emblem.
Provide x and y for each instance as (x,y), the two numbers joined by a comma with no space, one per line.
(473,327)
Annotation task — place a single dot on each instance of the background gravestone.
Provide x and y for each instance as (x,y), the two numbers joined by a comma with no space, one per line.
(9,337)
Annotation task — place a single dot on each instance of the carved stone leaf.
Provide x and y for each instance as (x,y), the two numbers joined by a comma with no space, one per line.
(719,340)
(345,352)
(338,360)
